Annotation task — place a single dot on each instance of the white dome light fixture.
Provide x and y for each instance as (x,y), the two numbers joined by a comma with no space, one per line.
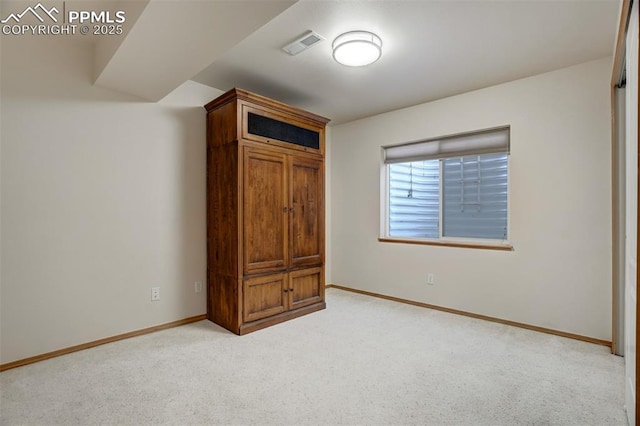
(357,48)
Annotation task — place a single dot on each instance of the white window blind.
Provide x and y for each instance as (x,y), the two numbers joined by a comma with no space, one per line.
(490,141)
(461,196)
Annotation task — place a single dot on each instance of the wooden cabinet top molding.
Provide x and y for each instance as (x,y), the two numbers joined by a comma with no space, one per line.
(258,100)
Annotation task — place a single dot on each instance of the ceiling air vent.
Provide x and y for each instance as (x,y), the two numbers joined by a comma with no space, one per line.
(302,43)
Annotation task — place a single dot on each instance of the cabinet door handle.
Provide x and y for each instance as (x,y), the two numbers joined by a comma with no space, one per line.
(285,290)
(291,290)
(284,209)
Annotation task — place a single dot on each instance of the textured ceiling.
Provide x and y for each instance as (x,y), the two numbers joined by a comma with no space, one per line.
(432,49)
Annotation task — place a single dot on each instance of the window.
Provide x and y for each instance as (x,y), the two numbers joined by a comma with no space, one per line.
(448,188)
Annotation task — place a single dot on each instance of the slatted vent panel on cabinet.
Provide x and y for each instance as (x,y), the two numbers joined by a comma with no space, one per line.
(274,129)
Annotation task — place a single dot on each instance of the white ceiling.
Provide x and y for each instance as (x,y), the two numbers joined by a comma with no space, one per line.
(431,49)
(172,40)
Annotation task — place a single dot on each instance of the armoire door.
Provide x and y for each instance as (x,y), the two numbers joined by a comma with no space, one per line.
(265,211)
(306,235)
(306,287)
(264,296)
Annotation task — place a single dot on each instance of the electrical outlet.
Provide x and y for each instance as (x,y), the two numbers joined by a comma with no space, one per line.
(198,286)
(155,293)
(431,279)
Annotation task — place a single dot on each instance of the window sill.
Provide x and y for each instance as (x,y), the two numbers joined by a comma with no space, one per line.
(482,246)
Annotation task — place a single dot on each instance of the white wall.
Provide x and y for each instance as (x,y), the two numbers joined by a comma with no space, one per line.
(103,197)
(559,275)
(328,245)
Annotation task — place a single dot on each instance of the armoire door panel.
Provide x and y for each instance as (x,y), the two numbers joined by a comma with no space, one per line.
(264,296)
(306,184)
(265,211)
(306,287)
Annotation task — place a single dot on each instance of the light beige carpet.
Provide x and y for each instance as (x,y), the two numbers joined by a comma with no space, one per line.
(361,361)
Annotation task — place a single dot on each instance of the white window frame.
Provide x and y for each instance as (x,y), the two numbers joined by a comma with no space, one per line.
(480,243)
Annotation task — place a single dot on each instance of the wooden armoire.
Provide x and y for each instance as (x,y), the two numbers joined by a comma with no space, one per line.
(265,211)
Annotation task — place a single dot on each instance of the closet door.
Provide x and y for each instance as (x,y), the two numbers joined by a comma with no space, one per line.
(306,234)
(265,211)
(631,228)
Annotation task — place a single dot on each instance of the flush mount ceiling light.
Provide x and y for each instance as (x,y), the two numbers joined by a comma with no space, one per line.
(357,48)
